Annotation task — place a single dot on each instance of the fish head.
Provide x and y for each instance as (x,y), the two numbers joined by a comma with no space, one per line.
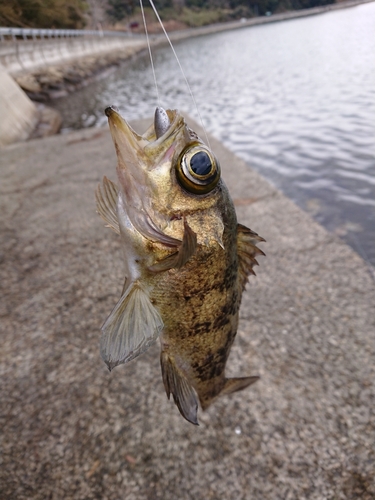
(165,175)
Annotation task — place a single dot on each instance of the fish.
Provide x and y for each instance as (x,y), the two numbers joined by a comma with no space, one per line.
(186,258)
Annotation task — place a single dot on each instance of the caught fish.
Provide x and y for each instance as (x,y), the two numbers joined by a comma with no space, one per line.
(187,260)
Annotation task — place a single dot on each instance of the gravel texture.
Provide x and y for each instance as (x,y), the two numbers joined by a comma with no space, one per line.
(72,430)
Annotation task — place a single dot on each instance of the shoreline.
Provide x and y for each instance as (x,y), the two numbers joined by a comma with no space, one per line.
(48,83)
(273,18)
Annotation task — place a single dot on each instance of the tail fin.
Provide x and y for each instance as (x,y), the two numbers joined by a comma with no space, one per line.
(230,385)
(237,384)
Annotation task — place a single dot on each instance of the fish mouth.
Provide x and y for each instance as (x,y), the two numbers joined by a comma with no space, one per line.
(126,140)
(136,153)
(137,156)
(154,142)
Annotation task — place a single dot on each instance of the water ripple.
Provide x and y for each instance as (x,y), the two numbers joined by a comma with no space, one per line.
(296,100)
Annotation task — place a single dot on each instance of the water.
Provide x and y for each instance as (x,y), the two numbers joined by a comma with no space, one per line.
(296,100)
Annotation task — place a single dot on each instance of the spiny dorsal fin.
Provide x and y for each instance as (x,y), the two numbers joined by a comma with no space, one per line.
(175,383)
(179,259)
(106,203)
(247,250)
(133,325)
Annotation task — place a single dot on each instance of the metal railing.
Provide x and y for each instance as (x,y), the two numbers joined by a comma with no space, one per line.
(34,34)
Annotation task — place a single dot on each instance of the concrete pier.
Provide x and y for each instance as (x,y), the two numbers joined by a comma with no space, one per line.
(71,430)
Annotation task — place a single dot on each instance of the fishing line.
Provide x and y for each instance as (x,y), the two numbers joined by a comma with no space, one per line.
(149,51)
(180,66)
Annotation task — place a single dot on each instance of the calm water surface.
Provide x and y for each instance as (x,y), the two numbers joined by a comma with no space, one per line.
(296,100)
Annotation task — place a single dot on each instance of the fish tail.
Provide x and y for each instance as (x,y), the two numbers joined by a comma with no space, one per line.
(230,385)
(237,384)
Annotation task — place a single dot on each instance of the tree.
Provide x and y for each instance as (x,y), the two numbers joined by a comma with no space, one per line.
(43,13)
(119,9)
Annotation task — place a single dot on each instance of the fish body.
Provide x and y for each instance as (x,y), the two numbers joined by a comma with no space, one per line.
(186,259)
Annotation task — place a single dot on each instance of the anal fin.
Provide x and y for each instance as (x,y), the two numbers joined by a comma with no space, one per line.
(133,325)
(179,258)
(183,393)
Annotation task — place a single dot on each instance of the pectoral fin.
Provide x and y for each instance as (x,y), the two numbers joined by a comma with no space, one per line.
(175,383)
(247,250)
(133,325)
(106,203)
(179,258)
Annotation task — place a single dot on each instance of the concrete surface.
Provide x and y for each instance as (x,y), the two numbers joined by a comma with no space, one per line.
(21,118)
(18,114)
(71,430)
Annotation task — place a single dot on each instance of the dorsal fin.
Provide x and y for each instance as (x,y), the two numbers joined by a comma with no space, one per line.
(247,250)
(176,383)
(130,329)
(179,258)
(106,203)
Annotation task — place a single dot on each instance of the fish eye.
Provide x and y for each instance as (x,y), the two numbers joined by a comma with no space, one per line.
(197,169)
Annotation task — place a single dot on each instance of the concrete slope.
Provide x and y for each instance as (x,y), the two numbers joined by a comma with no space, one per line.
(71,430)
(18,114)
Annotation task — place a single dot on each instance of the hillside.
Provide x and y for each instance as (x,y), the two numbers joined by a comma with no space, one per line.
(120,13)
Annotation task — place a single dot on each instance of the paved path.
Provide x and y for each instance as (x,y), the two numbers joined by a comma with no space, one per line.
(71,430)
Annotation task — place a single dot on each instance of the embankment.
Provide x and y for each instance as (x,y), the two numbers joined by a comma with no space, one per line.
(20,60)
(18,114)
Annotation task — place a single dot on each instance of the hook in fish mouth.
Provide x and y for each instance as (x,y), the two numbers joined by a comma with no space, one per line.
(161,122)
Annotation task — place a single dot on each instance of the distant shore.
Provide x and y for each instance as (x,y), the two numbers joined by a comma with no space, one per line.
(54,81)
(273,18)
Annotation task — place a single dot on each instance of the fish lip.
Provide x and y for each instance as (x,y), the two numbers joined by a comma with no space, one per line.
(110,109)
(128,144)
(117,122)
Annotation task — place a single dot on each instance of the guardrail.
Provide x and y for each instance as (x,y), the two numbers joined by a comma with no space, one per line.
(33,34)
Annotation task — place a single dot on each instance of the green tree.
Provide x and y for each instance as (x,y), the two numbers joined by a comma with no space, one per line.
(43,13)
(119,9)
